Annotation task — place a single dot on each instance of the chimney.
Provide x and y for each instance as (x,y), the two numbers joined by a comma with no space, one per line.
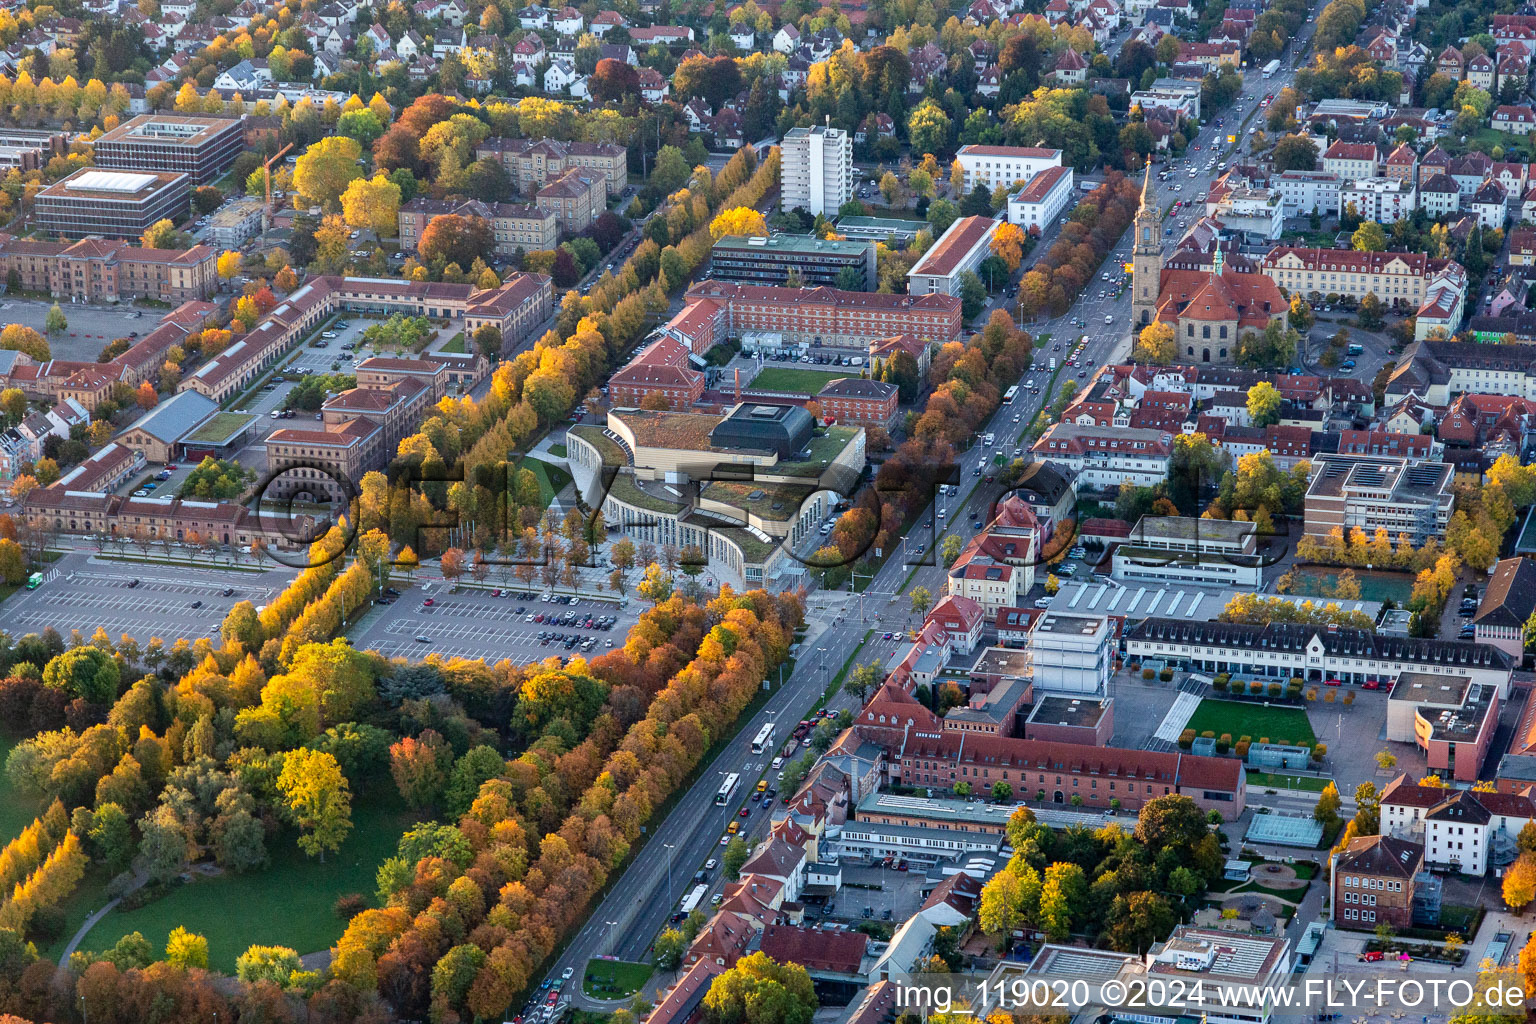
(738,384)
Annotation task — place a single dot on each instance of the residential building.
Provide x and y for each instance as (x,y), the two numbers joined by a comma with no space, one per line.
(200,147)
(959,250)
(1435,371)
(1400,277)
(1352,160)
(1440,196)
(1104,457)
(1303,192)
(994,166)
(1379,199)
(1371,492)
(996,568)
(961,619)
(1507,605)
(835,263)
(514,225)
(1256,215)
(533,163)
(1520,120)
(114,204)
(816,169)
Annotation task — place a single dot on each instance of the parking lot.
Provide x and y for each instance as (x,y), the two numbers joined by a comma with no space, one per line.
(474,623)
(90,327)
(83,591)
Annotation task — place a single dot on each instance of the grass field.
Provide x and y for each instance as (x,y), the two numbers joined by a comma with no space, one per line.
(1254,720)
(614,979)
(551,479)
(288,904)
(219,429)
(804,382)
(454,344)
(16,811)
(1269,780)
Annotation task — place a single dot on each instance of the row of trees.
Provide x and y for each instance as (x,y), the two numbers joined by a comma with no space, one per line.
(543,886)
(1092,230)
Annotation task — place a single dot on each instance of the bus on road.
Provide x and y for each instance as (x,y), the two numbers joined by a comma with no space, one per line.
(693,899)
(34,581)
(1271,68)
(727,788)
(1010,394)
(763,740)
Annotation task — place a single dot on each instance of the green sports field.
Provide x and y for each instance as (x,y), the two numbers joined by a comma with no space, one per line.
(804,382)
(1241,718)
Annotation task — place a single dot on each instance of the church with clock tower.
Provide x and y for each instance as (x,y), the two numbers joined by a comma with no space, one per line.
(1208,301)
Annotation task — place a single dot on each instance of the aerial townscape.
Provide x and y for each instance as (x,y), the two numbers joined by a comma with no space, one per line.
(677,512)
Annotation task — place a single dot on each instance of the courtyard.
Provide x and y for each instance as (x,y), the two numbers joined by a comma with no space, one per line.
(1255,720)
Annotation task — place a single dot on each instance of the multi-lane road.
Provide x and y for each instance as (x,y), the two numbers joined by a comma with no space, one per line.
(641,902)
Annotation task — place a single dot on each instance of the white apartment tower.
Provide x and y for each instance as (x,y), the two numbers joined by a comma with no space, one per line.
(816,169)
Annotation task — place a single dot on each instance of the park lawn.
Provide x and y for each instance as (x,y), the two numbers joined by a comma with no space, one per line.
(619,978)
(16,811)
(804,382)
(1241,718)
(558,450)
(454,344)
(551,479)
(288,904)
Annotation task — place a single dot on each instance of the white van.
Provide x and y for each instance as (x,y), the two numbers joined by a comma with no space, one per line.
(987,439)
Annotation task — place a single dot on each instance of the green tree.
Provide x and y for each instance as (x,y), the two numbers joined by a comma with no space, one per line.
(267,963)
(317,799)
(55,322)
(863,680)
(85,672)
(951,548)
(922,600)
(667,951)
(1369,237)
(734,857)
(1062,896)
(759,990)
(1002,792)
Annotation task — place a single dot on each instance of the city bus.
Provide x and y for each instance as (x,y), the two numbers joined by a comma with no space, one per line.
(693,899)
(763,740)
(727,788)
(1010,394)
(34,581)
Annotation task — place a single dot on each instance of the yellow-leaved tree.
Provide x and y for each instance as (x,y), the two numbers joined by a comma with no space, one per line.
(740,220)
(371,204)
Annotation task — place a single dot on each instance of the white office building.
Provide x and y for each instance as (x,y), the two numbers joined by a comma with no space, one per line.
(1183,549)
(1070,653)
(1004,165)
(816,169)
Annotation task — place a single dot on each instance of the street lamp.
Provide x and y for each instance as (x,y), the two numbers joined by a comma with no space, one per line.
(669,847)
(611,950)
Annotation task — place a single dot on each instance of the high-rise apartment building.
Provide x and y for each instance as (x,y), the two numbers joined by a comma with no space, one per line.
(816,169)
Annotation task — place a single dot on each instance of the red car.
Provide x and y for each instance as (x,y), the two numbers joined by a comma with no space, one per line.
(1374,956)
(1334,682)
(495,593)
(1372,684)
(428,603)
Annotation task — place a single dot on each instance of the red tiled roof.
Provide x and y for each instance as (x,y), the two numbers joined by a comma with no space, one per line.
(959,241)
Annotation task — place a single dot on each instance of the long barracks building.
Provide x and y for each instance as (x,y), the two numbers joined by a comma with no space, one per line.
(1314,653)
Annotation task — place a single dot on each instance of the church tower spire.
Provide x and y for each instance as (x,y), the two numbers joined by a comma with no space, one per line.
(1146,257)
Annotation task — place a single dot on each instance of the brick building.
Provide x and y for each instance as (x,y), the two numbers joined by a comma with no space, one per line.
(97,270)
(859,401)
(659,368)
(1373,883)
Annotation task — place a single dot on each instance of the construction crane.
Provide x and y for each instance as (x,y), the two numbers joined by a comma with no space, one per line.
(266,169)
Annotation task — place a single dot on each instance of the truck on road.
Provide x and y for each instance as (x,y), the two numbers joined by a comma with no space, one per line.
(1271,68)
